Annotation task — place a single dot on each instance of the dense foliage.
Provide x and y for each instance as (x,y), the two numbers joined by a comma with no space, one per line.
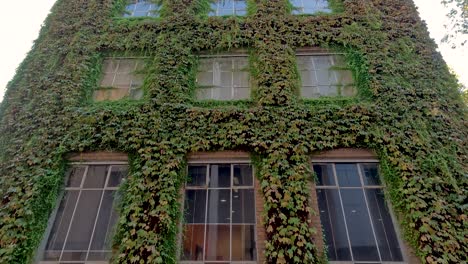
(408,110)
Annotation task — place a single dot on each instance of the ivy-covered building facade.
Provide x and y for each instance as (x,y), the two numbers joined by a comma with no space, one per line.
(229,131)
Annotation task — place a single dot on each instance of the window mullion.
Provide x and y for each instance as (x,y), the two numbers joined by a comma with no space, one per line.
(98,211)
(344,213)
(368,211)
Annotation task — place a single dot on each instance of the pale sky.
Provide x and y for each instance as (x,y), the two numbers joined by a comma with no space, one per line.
(21,20)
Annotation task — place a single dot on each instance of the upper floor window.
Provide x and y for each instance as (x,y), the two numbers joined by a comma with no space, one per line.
(228,8)
(356,221)
(85,219)
(219,211)
(141,8)
(324,75)
(223,77)
(309,6)
(121,77)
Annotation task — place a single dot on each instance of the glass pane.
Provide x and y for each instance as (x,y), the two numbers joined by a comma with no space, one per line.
(220,176)
(309,92)
(195,204)
(241,93)
(116,175)
(74,255)
(217,245)
(308,78)
(324,174)
(193,242)
(331,217)
(196,175)
(243,206)
(126,66)
(243,175)
(105,223)
(62,221)
(205,78)
(359,226)
(347,175)
(383,225)
(370,171)
(219,202)
(83,221)
(243,243)
(75,175)
(96,176)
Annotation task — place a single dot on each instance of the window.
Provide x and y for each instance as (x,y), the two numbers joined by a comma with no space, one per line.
(324,75)
(85,219)
(121,77)
(223,77)
(309,6)
(141,8)
(356,221)
(228,8)
(219,225)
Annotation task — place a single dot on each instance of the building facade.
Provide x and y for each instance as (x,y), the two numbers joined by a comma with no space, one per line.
(229,131)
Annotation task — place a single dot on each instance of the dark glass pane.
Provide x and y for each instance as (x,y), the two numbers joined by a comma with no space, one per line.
(62,221)
(359,226)
(196,175)
(99,255)
(217,245)
(324,174)
(243,175)
(195,204)
(243,243)
(75,176)
(331,217)
(83,221)
(52,255)
(96,176)
(347,175)
(116,175)
(219,202)
(102,239)
(220,175)
(193,242)
(370,171)
(243,206)
(383,226)
(74,255)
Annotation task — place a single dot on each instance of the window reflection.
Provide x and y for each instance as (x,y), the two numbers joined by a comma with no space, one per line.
(356,221)
(220,218)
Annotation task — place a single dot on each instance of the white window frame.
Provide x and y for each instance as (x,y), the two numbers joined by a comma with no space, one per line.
(232,162)
(334,72)
(53,215)
(382,186)
(217,75)
(300,9)
(216,6)
(153,11)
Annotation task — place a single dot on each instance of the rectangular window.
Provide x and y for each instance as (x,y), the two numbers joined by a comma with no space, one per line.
(121,77)
(228,8)
(85,219)
(219,214)
(324,75)
(309,6)
(223,77)
(356,221)
(141,8)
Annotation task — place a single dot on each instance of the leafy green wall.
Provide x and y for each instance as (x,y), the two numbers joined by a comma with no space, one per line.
(408,110)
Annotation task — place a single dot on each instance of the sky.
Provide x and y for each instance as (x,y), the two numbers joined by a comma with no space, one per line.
(19,31)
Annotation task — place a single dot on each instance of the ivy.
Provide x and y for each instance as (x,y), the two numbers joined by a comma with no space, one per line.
(407,109)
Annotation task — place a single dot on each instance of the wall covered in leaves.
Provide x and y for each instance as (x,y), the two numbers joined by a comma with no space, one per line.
(408,110)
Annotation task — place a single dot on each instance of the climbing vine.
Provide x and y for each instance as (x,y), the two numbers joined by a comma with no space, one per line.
(407,109)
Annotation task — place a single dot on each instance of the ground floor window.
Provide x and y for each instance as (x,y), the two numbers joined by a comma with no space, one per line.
(84,222)
(356,220)
(219,214)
